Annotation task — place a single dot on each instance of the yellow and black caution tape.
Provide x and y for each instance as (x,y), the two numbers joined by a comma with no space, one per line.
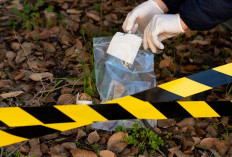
(30,122)
(189,85)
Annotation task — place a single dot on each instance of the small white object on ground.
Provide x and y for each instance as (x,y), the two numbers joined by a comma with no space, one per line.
(82,102)
(125,46)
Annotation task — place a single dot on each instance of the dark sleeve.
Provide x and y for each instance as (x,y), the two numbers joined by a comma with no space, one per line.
(205,14)
(173,5)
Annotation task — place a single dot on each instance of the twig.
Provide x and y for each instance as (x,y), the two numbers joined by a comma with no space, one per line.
(215,153)
(2,150)
(70,100)
(50,90)
(43,88)
(16,149)
(28,60)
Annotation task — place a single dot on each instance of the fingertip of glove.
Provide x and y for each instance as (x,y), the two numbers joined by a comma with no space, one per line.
(145,46)
(161,46)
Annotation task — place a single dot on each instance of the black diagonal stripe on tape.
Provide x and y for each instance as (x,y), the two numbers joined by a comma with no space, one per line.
(156,95)
(172,110)
(211,78)
(48,115)
(112,111)
(223,108)
(2,124)
(31,131)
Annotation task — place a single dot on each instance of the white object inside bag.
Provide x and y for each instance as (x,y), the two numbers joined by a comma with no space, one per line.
(125,46)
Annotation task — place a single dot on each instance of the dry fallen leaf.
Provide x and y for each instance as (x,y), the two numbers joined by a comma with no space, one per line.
(65,40)
(10,55)
(66,99)
(85,96)
(208,142)
(69,145)
(15,46)
(93,137)
(211,131)
(82,153)
(4,83)
(107,153)
(165,63)
(116,143)
(93,16)
(201,42)
(49,47)
(11,94)
(40,76)
(57,150)
(21,75)
(177,152)
(80,134)
(74,11)
(222,146)
(181,47)
(78,45)
(166,123)
(190,68)
(187,122)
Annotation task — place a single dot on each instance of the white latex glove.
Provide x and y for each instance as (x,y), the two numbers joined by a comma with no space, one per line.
(160,28)
(140,16)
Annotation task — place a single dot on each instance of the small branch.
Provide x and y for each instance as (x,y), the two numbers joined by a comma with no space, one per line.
(25,53)
(16,149)
(51,90)
(2,151)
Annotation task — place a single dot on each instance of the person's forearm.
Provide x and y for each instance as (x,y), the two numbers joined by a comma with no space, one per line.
(162,5)
(183,25)
(199,15)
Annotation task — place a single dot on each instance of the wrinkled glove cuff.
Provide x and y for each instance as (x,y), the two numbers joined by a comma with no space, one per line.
(179,20)
(156,6)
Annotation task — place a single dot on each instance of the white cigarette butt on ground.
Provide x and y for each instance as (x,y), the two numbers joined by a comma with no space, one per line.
(82,102)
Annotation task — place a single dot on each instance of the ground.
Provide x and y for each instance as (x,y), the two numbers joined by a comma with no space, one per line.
(46,58)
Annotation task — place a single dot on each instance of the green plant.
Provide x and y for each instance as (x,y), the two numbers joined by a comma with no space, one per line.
(36,38)
(214,125)
(226,53)
(89,79)
(205,67)
(16,154)
(120,129)
(80,145)
(96,149)
(82,32)
(143,138)
(60,81)
(221,138)
(6,70)
(30,16)
(229,91)
(97,7)
(170,135)
(50,8)
(227,134)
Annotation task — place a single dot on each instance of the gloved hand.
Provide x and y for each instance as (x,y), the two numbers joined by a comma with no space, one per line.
(140,16)
(160,28)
